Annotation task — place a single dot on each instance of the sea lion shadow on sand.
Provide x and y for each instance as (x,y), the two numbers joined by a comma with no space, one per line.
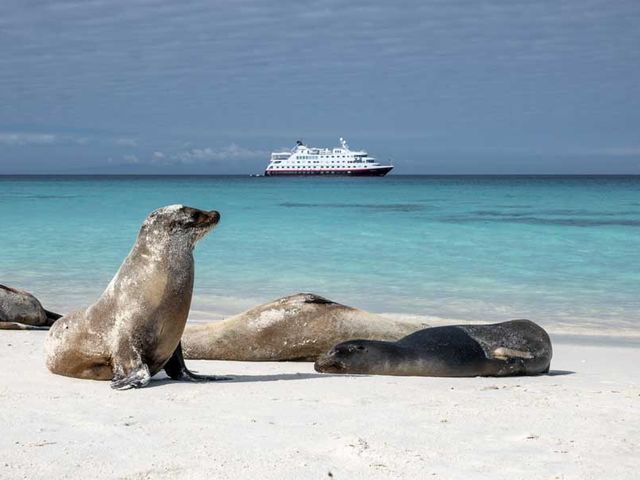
(274,377)
(560,373)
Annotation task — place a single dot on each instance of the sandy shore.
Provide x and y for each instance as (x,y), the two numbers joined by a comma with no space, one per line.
(283,420)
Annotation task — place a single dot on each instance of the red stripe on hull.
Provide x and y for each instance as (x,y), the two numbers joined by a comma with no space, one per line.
(364,172)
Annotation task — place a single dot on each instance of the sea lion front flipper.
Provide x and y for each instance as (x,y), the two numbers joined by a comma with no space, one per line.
(19,326)
(177,369)
(137,378)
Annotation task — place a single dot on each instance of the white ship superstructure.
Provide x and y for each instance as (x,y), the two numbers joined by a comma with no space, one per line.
(304,160)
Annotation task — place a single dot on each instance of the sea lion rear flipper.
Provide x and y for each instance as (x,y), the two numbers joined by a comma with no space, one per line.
(503,353)
(177,369)
(52,317)
(135,379)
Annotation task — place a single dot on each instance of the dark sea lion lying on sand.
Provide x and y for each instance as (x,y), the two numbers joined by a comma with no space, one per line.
(298,327)
(133,330)
(516,347)
(19,310)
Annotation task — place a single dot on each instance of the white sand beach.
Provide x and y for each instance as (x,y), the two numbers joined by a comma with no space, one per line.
(283,420)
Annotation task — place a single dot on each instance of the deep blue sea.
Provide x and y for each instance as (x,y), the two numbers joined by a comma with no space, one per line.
(559,250)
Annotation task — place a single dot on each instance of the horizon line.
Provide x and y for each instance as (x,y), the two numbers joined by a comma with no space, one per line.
(312,176)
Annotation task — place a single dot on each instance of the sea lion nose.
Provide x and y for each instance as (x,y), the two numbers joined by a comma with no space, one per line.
(214,216)
(327,364)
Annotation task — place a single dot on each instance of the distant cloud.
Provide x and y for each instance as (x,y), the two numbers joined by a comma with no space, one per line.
(199,156)
(131,159)
(9,138)
(205,155)
(18,138)
(126,142)
(42,138)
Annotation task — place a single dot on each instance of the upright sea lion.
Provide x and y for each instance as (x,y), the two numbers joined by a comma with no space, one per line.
(516,347)
(134,328)
(19,310)
(298,327)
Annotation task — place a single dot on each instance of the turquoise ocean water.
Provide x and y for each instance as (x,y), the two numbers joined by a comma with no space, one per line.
(564,251)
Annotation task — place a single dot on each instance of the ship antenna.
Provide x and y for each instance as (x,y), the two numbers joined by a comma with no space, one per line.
(343,142)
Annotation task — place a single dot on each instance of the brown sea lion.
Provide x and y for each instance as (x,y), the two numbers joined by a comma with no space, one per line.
(20,310)
(298,327)
(516,347)
(133,330)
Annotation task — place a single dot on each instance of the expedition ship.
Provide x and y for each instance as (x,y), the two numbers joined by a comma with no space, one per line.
(303,160)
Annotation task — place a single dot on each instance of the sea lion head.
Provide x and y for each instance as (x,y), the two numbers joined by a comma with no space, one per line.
(180,222)
(356,356)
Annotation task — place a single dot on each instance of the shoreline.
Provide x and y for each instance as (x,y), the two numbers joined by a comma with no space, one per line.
(588,333)
(283,420)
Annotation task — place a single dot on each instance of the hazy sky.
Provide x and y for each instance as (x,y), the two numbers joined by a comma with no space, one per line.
(202,86)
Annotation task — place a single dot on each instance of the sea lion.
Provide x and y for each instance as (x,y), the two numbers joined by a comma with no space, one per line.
(133,330)
(516,347)
(19,310)
(298,327)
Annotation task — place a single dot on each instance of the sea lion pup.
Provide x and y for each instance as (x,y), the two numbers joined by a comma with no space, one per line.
(516,347)
(19,310)
(134,328)
(298,327)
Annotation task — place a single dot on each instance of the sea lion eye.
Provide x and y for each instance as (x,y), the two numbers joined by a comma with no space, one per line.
(199,217)
(360,347)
